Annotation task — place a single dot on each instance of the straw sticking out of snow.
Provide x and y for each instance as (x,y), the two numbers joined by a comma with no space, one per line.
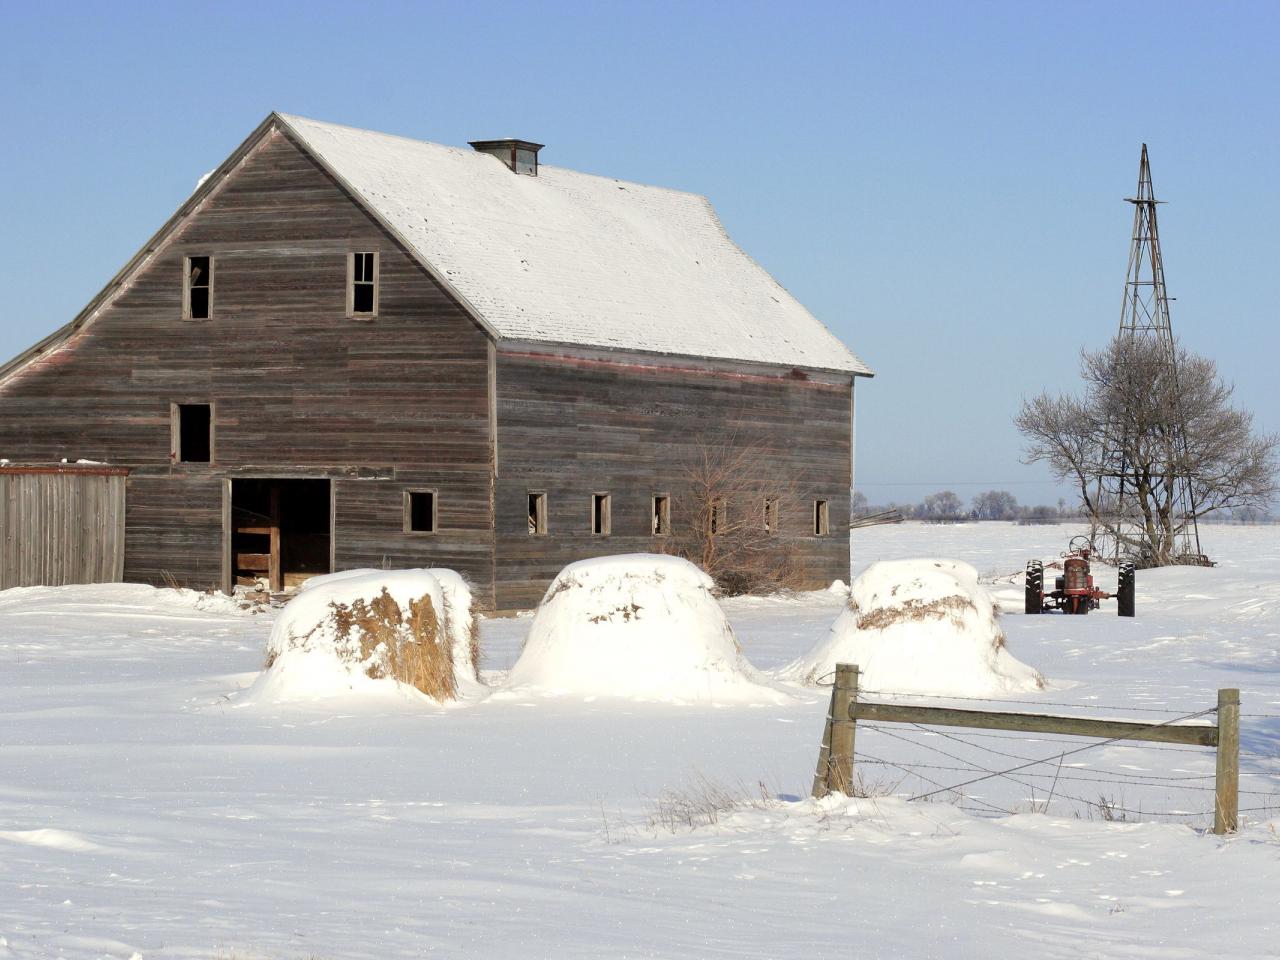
(920,626)
(354,631)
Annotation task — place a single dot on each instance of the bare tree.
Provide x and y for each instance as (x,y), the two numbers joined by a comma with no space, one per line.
(731,505)
(944,505)
(995,505)
(1161,425)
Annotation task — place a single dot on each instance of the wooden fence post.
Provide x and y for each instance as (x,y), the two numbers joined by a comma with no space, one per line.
(835,758)
(843,727)
(1226,798)
(824,753)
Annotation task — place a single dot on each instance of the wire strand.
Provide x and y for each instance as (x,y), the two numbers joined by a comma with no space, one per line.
(1015,756)
(909,771)
(1067,753)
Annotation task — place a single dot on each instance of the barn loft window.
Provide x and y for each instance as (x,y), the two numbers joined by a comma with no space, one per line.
(419,511)
(821,518)
(197,288)
(600,514)
(770,514)
(661,514)
(537,514)
(193,433)
(362,284)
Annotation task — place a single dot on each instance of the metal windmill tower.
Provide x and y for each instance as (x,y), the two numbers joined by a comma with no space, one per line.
(1144,315)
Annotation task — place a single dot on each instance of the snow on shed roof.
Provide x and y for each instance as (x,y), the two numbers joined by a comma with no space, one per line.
(572,258)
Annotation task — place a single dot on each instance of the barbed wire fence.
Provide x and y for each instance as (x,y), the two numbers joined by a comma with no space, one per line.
(962,767)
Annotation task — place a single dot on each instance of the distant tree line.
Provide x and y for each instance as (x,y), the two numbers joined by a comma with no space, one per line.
(945,506)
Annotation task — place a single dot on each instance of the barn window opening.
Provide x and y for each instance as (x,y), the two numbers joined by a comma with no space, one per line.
(715,516)
(821,518)
(600,514)
(281,531)
(362,291)
(197,288)
(419,511)
(193,433)
(537,514)
(770,514)
(661,515)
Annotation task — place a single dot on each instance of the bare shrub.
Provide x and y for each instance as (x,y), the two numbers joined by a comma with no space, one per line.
(733,500)
(1108,810)
(703,803)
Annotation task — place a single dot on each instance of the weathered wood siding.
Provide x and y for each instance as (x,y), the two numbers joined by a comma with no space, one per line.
(299,389)
(61,526)
(577,422)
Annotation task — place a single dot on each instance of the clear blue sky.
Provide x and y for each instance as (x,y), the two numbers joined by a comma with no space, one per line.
(941,183)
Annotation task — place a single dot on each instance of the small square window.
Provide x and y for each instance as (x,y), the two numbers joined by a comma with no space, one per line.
(716,517)
(661,515)
(419,511)
(537,514)
(600,514)
(770,514)
(192,432)
(821,518)
(197,288)
(362,284)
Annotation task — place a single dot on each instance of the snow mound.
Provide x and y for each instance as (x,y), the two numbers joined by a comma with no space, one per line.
(919,626)
(372,631)
(643,626)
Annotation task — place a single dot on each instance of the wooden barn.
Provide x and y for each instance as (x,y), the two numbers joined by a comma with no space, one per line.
(349,349)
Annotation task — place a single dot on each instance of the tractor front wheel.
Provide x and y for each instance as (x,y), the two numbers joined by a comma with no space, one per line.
(1035,587)
(1125,591)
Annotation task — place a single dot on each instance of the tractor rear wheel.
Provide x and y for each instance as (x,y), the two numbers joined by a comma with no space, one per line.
(1035,587)
(1126,590)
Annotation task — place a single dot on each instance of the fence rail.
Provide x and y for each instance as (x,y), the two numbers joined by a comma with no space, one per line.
(835,772)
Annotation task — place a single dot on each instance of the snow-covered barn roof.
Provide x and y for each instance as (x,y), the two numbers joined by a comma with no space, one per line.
(571,258)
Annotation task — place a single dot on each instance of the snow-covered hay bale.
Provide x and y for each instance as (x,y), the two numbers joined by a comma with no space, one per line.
(643,626)
(365,629)
(919,626)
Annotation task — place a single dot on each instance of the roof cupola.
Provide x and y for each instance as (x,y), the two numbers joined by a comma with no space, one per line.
(520,156)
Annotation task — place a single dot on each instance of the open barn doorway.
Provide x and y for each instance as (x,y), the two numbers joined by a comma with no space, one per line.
(281,532)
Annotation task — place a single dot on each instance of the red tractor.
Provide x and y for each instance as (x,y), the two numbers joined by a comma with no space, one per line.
(1074,591)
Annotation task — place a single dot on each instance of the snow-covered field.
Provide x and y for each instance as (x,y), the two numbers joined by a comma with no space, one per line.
(145,812)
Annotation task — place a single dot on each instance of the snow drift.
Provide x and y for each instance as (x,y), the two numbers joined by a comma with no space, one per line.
(372,630)
(644,626)
(919,626)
